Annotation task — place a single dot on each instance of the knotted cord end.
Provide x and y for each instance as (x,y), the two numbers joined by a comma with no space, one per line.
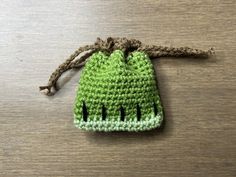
(47,90)
(211,52)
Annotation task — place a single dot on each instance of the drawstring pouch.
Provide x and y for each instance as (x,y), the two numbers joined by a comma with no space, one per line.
(118,88)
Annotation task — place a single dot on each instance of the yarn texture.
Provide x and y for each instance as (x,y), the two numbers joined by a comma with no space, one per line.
(116,93)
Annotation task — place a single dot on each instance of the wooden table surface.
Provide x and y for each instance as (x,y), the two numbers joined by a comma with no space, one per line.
(37,135)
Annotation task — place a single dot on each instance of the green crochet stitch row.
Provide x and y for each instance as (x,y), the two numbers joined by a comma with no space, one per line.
(118,94)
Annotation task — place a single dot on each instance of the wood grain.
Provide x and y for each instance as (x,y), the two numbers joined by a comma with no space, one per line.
(37,136)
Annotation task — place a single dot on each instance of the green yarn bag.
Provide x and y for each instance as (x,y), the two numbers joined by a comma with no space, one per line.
(118,88)
(118,94)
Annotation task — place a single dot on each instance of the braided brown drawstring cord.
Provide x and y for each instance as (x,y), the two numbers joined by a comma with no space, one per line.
(124,44)
(160,51)
(67,65)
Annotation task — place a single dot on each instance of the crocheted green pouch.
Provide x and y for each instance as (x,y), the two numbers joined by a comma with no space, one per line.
(118,89)
(118,93)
